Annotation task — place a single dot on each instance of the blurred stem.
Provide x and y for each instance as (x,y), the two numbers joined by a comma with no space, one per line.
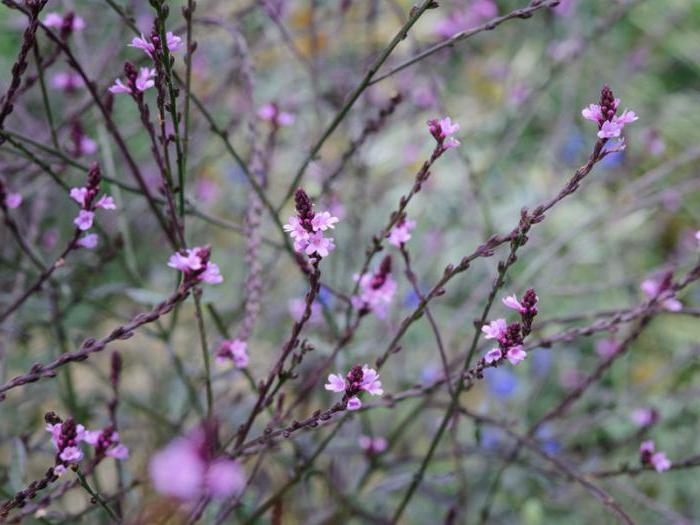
(95,496)
(197,293)
(44,96)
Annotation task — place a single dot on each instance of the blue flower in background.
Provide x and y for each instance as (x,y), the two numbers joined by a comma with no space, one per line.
(572,149)
(325,297)
(541,362)
(411,299)
(501,382)
(549,444)
(491,437)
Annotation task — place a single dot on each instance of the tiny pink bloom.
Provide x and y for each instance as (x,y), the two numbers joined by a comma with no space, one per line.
(370,381)
(512,302)
(323,220)
(285,119)
(267,111)
(647,447)
(119,452)
(516,354)
(59,470)
(372,445)
(493,355)
(606,348)
(236,350)
(295,229)
(174,42)
(592,112)
(660,462)
(320,245)
(189,261)
(87,146)
(643,417)
(78,195)
(212,274)
(106,202)
(354,403)
(626,117)
(336,383)
(610,129)
(495,329)
(55,431)
(66,81)
(53,20)
(451,142)
(119,87)
(89,241)
(145,80)
(84,220)
(401,233)
(91,437)
(13,200)
(71,454)
(142,43)
(224,478)
(448,127)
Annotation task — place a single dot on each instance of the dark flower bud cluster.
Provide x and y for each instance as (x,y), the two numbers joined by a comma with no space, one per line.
(305,209)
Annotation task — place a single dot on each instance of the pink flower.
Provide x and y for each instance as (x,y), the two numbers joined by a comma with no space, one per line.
(512,302)
(372,445)
(13,200)
(442,128)
(644,417)
(610,129)
(84,220)
(322,221)
(319,244)
(450,142)
(653,289)
(174,42)
(143,44)
(272,113)
(610,125)
(376,292)
(59,470)
(235,350)
(493,355)
(71,454)
(224,478)
(119,452)
(592,112)
(56,20)
(145,79)
(495,329)
(87,146)
(89,241)
(660,462)
(106,202)
(606,348)
(516,354)
(647,447)
(336,383)
(189,261)
(370,381)
(211,274)
(119,87)
(296,229)
(401,233)
(78,195)
(354,403)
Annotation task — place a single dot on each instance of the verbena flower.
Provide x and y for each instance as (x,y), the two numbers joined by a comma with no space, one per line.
(358,379)
(307,228)
(146,44)
(376,290)
(401,233)
(649,456)
(653,288)
(234,350)
(13,200)
(141,82)
(372,445)
(195,264)
(442,131)
(510,337)
(610,125)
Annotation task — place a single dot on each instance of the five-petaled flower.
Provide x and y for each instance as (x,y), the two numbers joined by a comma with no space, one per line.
(174,43)
(358,379)
(195,264)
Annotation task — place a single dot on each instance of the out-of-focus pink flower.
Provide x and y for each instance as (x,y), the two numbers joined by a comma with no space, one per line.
(516,354)
(653,288)
(272,113)
(183,470)
(190,260)
(495,329)
(376,291)
(106,202)
(212,274)
(234,350)
(13,200)
(84,220)
(89,241)
(354,403)
(66,81)
(401,233)
(56,20)
(644,417)
(660,462)
(119,452)
(372,445)
(71,454)
(606,348)
(647,447)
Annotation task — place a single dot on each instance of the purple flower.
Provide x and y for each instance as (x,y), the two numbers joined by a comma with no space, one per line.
(142,82)
(89,241)
(319,244)
(71,454)
(610,125)
(358,379)
(644,417)
(512,302)
(119,452)
(234,350)
(323,221)
(84,220)
(195,264)
(78,195)
(653,289)
(13,200)
(495,329)
(660,462)
(272,113)
(307,227)
(68,22)
(371,445)
(67,82)
(212,274)
(106,202)
(336,383)
(493,355)
(516,354)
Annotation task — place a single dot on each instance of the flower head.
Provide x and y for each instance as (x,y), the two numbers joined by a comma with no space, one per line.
(401,233)
(442,131)
(376,290)
(234,350)
(306,228)
(610,125)
(495,329)
(195,264)
(358,379)
(89,241)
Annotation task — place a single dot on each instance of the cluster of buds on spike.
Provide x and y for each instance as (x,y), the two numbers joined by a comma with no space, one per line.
(376,290)
(510,337)
(86,197)
(442,131)
(307,228)
(358,379)
(604,114)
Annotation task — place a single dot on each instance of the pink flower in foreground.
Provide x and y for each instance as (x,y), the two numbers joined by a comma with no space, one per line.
(307,227)
(89,241)
(358,379)
(84,220)
(516,354)
(442,131)
(371,445)
(71,455)
(195,264)
(610,125)
(493,355)
(185,470)
(401,233)
(13,200)
(234,350)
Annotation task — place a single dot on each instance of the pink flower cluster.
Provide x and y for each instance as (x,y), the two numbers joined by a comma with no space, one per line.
(649,456)
(376,290)
(147,45)
(610,125)
(442,131)
(401,233)
(273,114)
(510,337)
(358,379)
(307,228)
(139,83)
(195,264)
(232,350)
(653,289)
(186,469)
(66,437)
(86,197)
